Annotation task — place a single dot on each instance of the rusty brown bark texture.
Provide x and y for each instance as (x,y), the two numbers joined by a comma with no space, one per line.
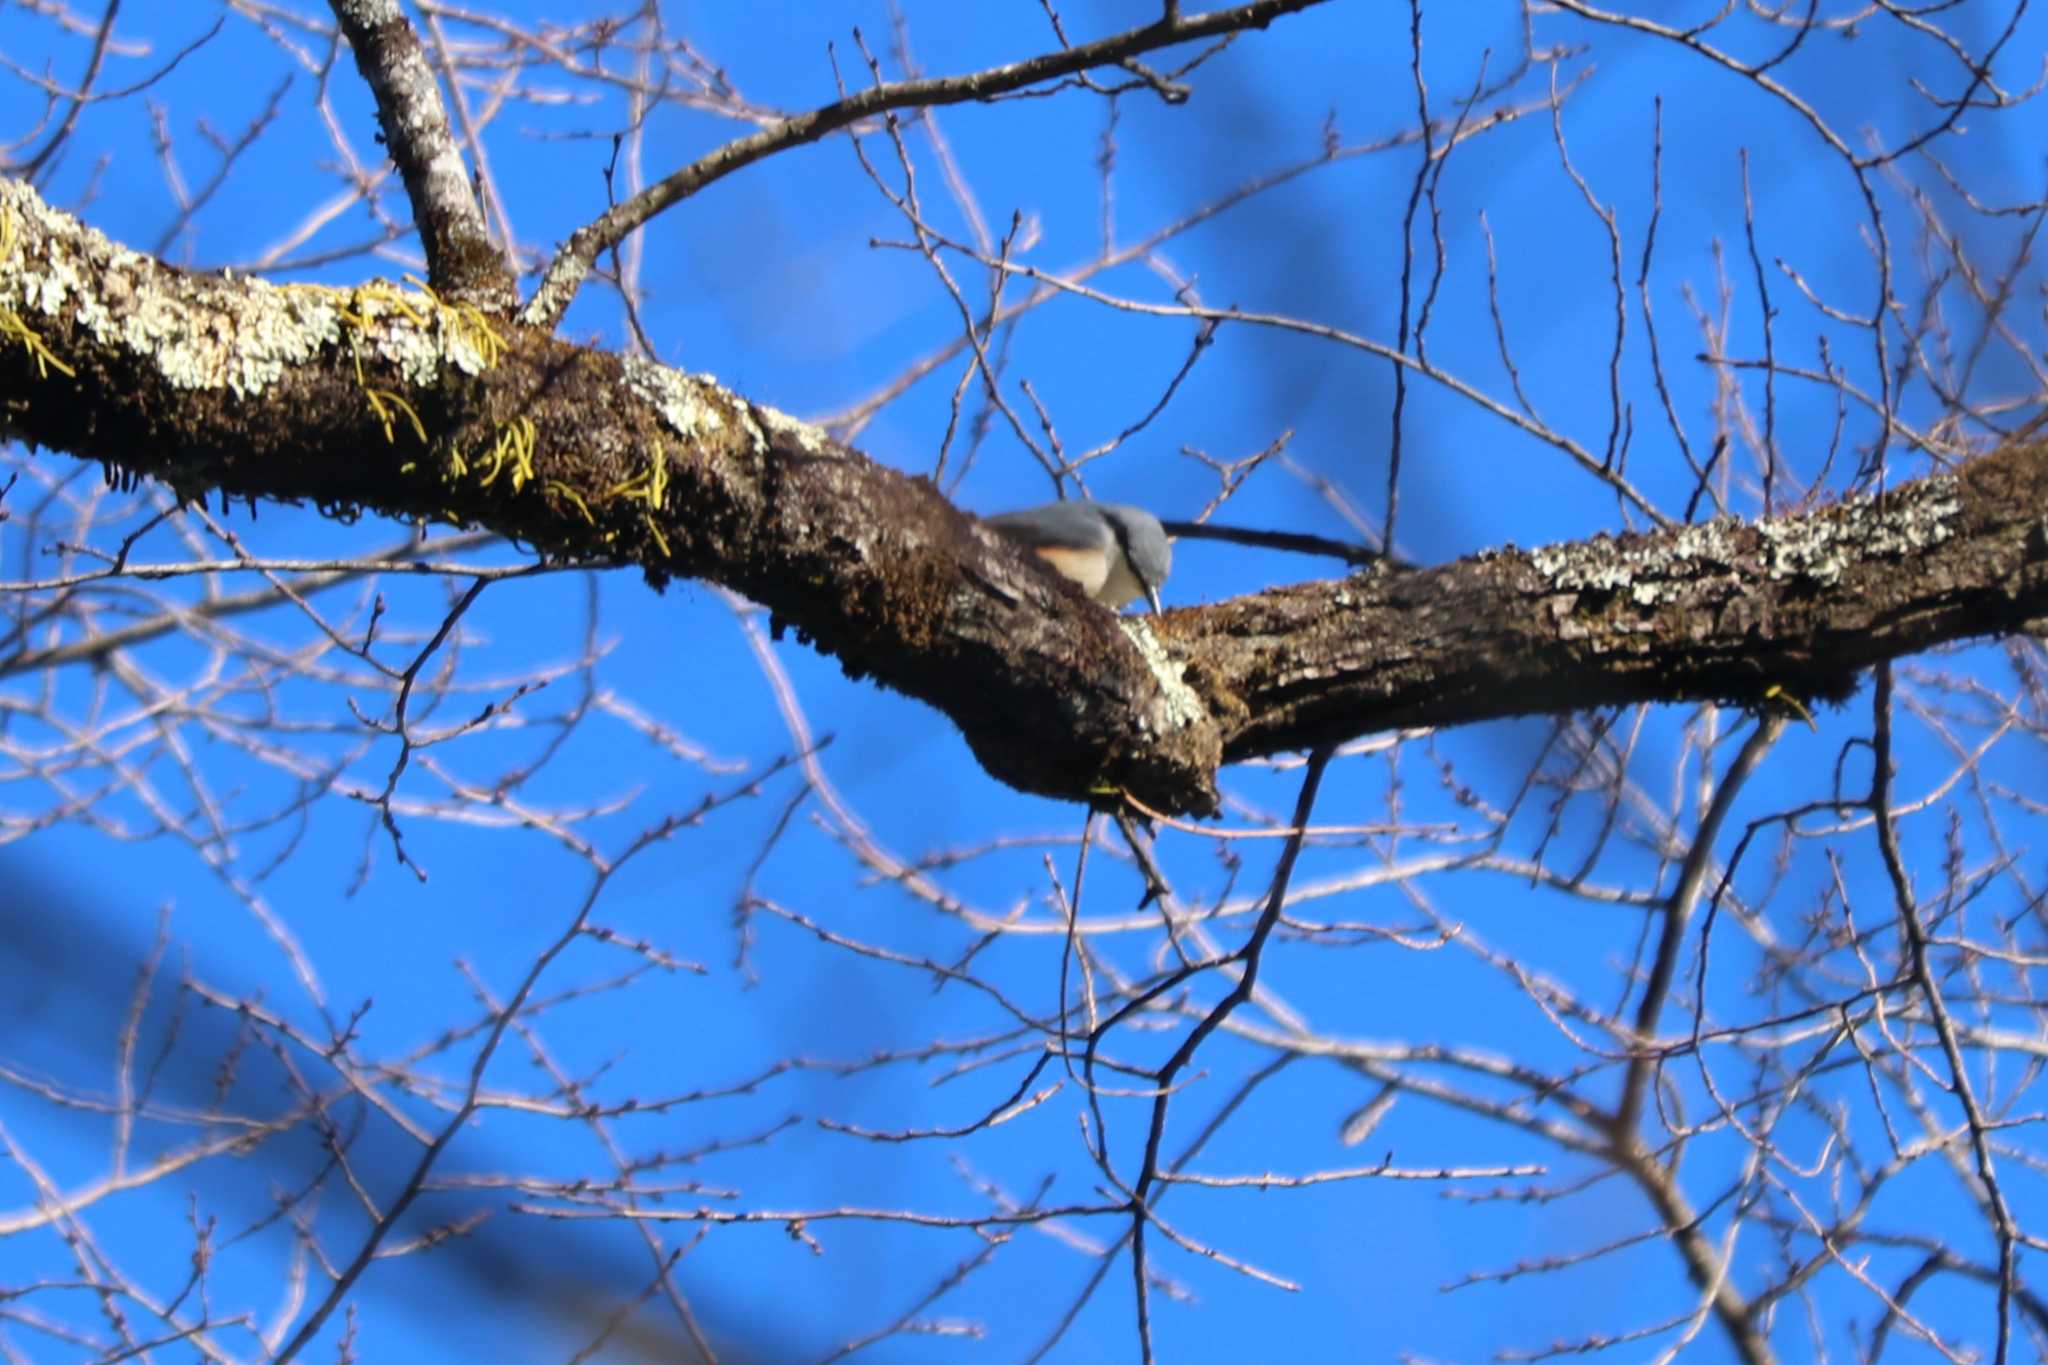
(386,398)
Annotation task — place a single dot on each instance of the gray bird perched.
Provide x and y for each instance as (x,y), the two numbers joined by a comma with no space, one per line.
(1117,553)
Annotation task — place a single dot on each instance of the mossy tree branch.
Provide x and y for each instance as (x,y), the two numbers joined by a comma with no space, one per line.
(389,399)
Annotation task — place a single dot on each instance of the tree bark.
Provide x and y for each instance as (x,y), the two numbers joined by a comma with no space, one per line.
(388,399)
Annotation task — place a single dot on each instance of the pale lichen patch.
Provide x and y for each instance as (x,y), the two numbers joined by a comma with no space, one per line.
(1819,547)
(812,440)
(241,340)
(243,344)
(680,399)
(1822,547)
(237,334)
(1647,570)
(1180,706)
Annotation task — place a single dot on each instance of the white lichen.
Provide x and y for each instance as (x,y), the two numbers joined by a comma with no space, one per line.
(678,398)
(1819,548)
(1643,567)
(811,439)
(1822,547)
(239,334)
(1179,705)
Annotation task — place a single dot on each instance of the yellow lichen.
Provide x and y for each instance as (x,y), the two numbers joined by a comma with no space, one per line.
(516,441)
(562,490)
(382,401)
(654,529)
(468,325)
(1777,693)
(12,328)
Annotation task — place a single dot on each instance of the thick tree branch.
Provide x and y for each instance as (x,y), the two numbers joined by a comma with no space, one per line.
(1790,606)
(388,400)
(462,262)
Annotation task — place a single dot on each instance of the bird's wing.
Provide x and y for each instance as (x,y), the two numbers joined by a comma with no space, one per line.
(1068,525)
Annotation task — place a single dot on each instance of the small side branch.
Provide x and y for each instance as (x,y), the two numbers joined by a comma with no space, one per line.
(565,274)
(462,262)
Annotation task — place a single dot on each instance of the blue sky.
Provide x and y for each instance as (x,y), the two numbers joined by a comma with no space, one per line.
(782,282)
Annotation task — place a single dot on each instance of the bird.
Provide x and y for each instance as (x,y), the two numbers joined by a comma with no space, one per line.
(1114,552)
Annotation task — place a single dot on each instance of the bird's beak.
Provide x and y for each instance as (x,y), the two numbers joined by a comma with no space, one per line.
(1152,596)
